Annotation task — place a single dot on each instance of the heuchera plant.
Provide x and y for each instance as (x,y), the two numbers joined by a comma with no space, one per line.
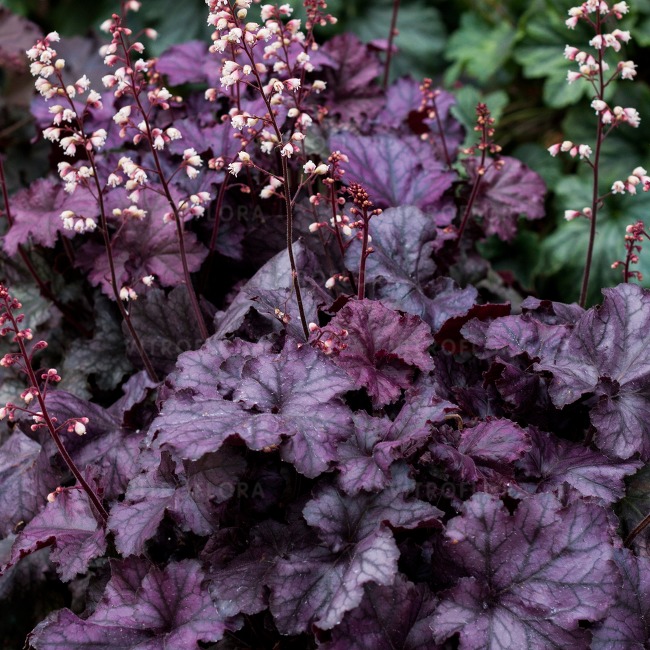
(295,407)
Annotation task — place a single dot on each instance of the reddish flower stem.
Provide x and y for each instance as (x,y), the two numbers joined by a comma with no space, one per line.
(391,38)
(107,244)
(94,499)
(595,200)
(287,193)
(180,226)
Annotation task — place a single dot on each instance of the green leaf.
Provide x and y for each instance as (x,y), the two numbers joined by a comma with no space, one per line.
(420,41)
(564,251)
(464,110)
(478,49)
(541,54)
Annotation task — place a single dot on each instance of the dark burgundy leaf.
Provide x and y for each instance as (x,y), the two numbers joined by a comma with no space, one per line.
(166,325)
(450,335)
(396,616)
(626,624)
(26,478)
(291,396)
(366,456)
(316,586)
(506,194)
(403,112)
(381,347)
(349,68)
(143,608)
(552,461)
(70,527)
(606,353)
(394,170)
(532,576)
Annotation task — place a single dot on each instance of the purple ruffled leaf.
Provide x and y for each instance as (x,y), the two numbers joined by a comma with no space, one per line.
(26,478)
(449,301)
(495,441)
(70,527)
(366,456)
(381,348)
(520,334)
(349,68)
(292,396)
(37,211)
(483,453)
(626,625)
(107,444)
(394,170)
(240,586)
(506,194)
(553,461)
(359,468)
(143,247)
(552,313)
(395,616)
(218,359)
(317,585)
(143,608)
(301,387)
(184,63)
(607,353)
(402,111)
(188,496)
(401,264)
(342,519)
(533,576)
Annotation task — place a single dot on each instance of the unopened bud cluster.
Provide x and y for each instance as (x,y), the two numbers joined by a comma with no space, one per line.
(634,235)
(329,340)
(10,324)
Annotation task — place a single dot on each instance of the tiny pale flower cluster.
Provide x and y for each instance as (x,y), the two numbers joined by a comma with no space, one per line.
(192,207)
(634,234)
(639,176)
(279,78)
(66,126)
(591,6)
(584,150)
